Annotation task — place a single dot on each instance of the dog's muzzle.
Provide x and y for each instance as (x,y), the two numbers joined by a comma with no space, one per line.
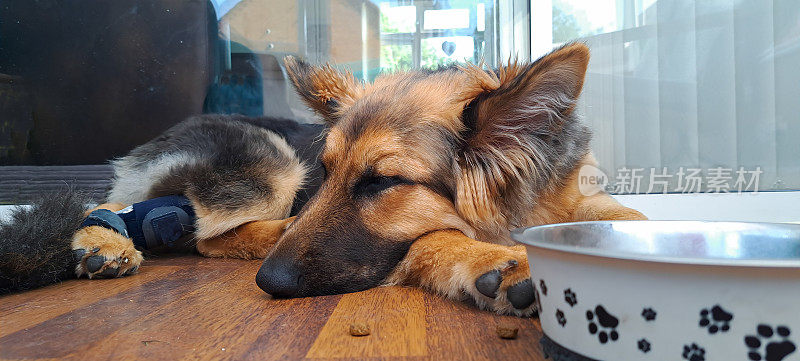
(279,277)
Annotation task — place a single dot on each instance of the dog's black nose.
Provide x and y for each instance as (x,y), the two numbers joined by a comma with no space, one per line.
(279,277)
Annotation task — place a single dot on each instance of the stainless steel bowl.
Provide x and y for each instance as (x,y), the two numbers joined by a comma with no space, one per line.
(667,290)
(691,242)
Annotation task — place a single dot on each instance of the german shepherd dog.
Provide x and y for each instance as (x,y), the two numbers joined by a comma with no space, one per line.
(415,180)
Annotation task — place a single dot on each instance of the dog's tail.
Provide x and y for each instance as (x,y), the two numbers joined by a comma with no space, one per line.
(35,242)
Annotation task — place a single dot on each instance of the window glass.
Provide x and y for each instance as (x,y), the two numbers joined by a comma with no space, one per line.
(449,32)
(82,82)
(398,19)
(578,18)
(441,51)
(446,19)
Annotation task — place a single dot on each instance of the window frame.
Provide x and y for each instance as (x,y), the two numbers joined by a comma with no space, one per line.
(414,39)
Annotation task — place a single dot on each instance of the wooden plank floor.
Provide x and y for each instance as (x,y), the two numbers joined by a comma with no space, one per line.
(196,308)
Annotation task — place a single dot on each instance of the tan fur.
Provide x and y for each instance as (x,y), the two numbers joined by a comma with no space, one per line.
(437,99)
(285,184)
(328,85)
(249,241)
(110,206)
(567,204)
(448,262)
(117,250)
(410,211)
(602,207)
(113,246)
(394,128)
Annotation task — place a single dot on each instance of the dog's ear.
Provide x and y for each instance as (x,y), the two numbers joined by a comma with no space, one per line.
(323,88)
(512,116)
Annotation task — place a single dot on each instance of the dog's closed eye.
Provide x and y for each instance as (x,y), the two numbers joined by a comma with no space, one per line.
(372,185)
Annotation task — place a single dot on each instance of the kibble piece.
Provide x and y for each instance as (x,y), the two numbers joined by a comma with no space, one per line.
(359,329)
(507,332)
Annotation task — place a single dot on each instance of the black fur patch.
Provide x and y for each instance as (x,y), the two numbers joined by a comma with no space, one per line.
(35,242)
(232,157)
(308,141)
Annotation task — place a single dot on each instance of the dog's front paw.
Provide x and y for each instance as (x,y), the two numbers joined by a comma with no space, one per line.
(103,253)
(506,288)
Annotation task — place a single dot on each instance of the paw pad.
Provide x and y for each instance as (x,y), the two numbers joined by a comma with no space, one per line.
(769,344)
(570,297)
(643,345)
(560,318)
(537,302)
(78,254)
(99,266)
(488,283)
(94,263)
(693,353)
(607,324)
(716,320)
(649,314)
(521,295)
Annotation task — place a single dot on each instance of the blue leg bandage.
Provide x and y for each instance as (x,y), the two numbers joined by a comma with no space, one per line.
(152,223)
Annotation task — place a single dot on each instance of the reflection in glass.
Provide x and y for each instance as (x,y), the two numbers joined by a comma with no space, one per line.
(84,82)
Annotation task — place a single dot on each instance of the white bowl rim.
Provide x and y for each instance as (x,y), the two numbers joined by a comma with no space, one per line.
(522,235)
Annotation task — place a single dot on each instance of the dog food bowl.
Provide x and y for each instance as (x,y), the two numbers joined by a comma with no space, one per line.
(667,290)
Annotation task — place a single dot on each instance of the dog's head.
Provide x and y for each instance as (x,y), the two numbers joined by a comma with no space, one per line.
(415,152)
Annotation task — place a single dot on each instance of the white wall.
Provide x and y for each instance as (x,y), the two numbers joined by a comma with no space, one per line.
(746,207)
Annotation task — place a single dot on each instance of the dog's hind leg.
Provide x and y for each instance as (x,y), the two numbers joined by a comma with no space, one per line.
(252,240)
(450,263)
(103,252)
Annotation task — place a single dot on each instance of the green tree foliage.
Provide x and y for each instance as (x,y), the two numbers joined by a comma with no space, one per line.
(569,23)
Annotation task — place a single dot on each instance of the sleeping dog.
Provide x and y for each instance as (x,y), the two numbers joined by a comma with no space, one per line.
(416,179)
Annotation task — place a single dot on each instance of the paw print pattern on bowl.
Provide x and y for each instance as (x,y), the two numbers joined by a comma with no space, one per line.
(768,344)
(716,320)
(560,318)
(570,297)
(649,314)
(543,287)
(693,352)
(608,324)
(643,345)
